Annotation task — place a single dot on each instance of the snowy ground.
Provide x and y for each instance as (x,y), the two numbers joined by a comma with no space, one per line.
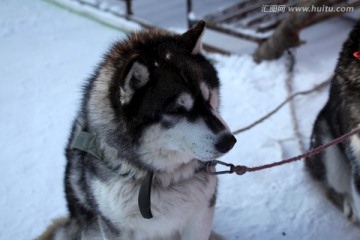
(48,52)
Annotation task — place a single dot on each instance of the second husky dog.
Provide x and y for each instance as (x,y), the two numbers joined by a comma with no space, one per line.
(339,166)
(149,114)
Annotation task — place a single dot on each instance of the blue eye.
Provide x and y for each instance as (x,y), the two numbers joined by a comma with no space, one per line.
(176,111)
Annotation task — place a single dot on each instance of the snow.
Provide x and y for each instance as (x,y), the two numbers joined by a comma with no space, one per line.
(108,15)
(46,55)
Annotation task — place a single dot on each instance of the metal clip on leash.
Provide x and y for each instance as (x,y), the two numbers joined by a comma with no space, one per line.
(239,170)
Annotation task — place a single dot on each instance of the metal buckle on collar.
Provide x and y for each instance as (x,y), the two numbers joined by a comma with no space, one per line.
(215,162)
(238,169)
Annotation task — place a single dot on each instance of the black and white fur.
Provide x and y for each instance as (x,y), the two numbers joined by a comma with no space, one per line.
(153,105)
(338,168)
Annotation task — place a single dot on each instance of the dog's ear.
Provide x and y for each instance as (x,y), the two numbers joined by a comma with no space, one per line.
(134,76)
(193,38)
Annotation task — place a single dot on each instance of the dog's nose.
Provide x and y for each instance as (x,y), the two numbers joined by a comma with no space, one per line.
(225,143)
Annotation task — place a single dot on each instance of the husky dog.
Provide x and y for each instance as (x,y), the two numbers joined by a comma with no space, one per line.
(338,167)
(149,115)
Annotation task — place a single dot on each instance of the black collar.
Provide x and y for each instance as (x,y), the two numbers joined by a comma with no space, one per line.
(89,143)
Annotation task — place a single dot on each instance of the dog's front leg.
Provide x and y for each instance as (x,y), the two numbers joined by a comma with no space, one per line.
(353,208)
(354,204)
(200,226)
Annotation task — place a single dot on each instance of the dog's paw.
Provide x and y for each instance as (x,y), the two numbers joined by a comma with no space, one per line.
(349,210)
(336,198)
(345,204)
(215,236)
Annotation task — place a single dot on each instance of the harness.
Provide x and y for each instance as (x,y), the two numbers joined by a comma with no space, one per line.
(89,143)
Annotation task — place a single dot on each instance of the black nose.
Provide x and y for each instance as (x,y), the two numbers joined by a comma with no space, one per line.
(225,143)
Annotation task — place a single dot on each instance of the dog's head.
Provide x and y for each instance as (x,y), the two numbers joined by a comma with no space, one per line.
(349,61)
(165,97)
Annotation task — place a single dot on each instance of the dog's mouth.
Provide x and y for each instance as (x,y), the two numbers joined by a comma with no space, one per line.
(210,156)
(211,151)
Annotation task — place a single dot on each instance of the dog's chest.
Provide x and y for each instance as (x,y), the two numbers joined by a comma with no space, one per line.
(172,206)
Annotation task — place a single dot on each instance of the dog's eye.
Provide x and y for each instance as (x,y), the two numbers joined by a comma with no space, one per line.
(176,110)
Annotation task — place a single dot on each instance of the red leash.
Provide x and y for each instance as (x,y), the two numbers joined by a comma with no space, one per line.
(240,170)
